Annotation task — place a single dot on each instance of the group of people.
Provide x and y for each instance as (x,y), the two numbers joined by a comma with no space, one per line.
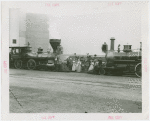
(60,66)
(89,64)
(76,65)
(79,64)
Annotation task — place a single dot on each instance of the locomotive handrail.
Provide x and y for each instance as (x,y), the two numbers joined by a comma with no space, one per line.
(124,60)
(20,47)
(131,50)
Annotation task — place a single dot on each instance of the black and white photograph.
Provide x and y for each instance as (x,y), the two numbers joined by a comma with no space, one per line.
(61,59)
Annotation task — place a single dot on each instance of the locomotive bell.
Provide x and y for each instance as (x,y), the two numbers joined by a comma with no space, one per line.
(54,43)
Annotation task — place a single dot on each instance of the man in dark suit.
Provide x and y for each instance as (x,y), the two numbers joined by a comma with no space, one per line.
(57,65)
(100,62)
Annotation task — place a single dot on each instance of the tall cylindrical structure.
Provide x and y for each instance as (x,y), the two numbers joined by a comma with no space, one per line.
(17,27)
(37,33)
(14,27)
(112,43)
(22,28)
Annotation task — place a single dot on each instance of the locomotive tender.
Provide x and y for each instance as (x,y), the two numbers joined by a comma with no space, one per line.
(128,61)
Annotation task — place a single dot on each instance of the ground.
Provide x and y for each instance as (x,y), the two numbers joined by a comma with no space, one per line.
(70,92)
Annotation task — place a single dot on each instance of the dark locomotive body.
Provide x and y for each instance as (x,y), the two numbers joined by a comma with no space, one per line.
(23,57)
(30,60)
(122,62)
(128,61)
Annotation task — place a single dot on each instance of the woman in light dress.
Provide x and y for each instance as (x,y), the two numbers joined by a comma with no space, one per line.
(78,67)
(91,68)
(74,65)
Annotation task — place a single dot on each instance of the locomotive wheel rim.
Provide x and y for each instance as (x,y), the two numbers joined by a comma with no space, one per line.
(18,64)
(102,71)
(31,64)
(138,70)
(109,73)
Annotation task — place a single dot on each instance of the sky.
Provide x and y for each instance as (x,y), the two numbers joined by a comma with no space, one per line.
(86,33)
(84,26)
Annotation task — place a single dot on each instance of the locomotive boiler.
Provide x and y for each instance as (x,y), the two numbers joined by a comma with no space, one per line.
(125,61)
(23,56)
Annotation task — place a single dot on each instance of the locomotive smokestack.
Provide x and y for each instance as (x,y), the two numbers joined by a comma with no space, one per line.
(54,43)
(112,43)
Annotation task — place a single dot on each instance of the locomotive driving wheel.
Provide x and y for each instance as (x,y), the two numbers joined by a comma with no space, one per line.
(18,64)
(102,71)
(31,64)
(138,68)
(109,72)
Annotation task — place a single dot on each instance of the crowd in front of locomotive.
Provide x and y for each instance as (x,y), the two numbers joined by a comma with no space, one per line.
(88,64)
(116,62)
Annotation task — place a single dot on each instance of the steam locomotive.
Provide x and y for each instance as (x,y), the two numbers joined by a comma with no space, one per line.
(23,56)
(128,60)
(116,61)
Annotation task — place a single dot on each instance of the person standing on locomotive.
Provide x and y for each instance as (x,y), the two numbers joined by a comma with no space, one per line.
(59,50)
